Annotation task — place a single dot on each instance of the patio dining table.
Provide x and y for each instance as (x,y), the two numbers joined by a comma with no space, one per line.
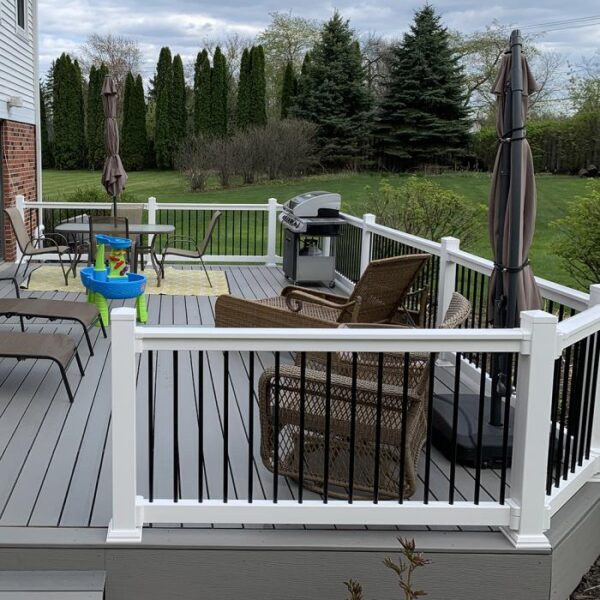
(141,229)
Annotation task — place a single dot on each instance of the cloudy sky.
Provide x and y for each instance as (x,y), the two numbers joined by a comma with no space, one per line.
(183,25)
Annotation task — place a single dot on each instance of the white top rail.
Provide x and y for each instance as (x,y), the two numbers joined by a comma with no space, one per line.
(158,205)
(331,340)
(576,328)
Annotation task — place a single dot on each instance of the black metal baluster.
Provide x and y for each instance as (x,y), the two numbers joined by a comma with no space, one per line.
(405,376)
(378,411)
(506,425)
(563,414)
(590,424)
(353,397)
(200,426)
(151,425)
(480,417)
(572,407)
(225,426)
(175,426)
(327,429)
(432,359)
(276,430)
(250,423)
(553,423)
(584,416)
(301,432)
(454,442)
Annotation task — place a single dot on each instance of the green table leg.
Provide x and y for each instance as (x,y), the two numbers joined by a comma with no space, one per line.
(102,305)
(141,309)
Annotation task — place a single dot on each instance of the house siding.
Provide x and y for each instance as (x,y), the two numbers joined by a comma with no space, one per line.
(17,63)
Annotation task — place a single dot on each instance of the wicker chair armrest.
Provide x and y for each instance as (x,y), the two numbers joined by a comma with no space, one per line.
(294,299)
(325,295)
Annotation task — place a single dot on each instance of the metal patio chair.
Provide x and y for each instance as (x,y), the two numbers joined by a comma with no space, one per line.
(194,249)
(31,247)
(301,393)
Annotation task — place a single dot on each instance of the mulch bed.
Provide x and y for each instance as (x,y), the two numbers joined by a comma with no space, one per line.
(589,588)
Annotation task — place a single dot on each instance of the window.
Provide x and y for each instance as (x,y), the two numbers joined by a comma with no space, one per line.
(21,13)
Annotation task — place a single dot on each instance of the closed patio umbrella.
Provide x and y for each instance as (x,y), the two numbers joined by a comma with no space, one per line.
(114,176)
(512,207)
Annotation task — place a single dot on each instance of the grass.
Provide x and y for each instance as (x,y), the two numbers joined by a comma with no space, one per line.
(168,186)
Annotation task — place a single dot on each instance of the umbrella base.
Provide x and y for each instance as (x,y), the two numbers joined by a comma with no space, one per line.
(466,438)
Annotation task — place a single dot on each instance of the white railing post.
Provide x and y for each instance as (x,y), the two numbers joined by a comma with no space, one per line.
(125,526)
(151,210)
(272,233)
(20,205)
(595,442)
(532,417)
(365,246)
(447,276)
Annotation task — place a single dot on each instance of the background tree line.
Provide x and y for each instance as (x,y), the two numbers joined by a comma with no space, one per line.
(414,102)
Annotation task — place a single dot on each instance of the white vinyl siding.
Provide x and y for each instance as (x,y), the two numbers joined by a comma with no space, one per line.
(17,62)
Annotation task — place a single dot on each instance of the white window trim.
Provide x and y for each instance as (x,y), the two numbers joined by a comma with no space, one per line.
(22,31)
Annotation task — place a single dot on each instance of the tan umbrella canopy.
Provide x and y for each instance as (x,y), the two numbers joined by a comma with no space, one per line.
(114,176)
(512,207)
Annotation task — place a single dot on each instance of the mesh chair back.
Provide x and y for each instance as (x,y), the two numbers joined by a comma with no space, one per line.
(209,232)
(383,286)
(18,226)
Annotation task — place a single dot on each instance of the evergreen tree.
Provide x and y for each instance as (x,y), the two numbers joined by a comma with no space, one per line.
(289,90)
(333,94)
(258,87)
(423,116)
(244,91)
(218,93)
(202,94)
(67,101)
(47,158)
(134,140)
(178,108)
(163,135)
(95,118)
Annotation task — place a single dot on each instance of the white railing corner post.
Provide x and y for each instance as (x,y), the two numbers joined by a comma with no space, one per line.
(365,245)
(530,432)
(126,524)
(272,233)
(447,276)
(595,441)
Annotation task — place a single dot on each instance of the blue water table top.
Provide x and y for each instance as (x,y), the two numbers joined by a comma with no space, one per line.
(116,243)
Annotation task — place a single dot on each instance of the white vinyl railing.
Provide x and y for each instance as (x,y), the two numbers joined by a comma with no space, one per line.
(523,517)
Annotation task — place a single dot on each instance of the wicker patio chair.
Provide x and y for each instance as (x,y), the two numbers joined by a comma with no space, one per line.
(368,398)
(194,250)
(31,247)
(376,298)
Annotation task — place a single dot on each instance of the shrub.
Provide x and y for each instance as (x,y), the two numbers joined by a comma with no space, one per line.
(193,160)
(93,193)
(422,207)
(579,236)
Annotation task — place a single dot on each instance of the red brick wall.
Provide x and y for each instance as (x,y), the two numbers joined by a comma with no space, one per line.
(18,149)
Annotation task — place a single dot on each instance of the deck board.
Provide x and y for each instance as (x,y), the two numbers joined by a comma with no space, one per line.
(55,458)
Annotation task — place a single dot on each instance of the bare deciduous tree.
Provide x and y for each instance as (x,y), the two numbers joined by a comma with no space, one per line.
(376,54)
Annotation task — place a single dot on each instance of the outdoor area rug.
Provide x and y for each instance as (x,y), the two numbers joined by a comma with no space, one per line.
(177,282)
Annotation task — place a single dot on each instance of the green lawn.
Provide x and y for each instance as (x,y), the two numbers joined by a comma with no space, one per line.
(169,186)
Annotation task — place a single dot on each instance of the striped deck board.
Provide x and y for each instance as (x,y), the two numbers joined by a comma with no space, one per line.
(55,457)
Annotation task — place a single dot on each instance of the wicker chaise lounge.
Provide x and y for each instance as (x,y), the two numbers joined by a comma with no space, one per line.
(399,419)
(56,347)
(376,298)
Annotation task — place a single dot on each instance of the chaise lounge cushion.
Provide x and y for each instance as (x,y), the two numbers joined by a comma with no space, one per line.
(54,346)
(84,312)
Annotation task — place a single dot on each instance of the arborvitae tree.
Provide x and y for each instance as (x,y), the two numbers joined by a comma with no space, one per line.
(134,140)
(333,94)
(258,87)
(288,90)
(67,100)
(202,95)
(423,117)
(244,91)
(163,134)
(95,118)
(47,159)
(178,108)
(218,92)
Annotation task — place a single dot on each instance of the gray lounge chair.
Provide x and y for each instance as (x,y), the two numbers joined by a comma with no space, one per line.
(27,244)
(56,347)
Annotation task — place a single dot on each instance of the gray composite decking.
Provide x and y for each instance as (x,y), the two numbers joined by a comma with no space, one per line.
(55,457)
